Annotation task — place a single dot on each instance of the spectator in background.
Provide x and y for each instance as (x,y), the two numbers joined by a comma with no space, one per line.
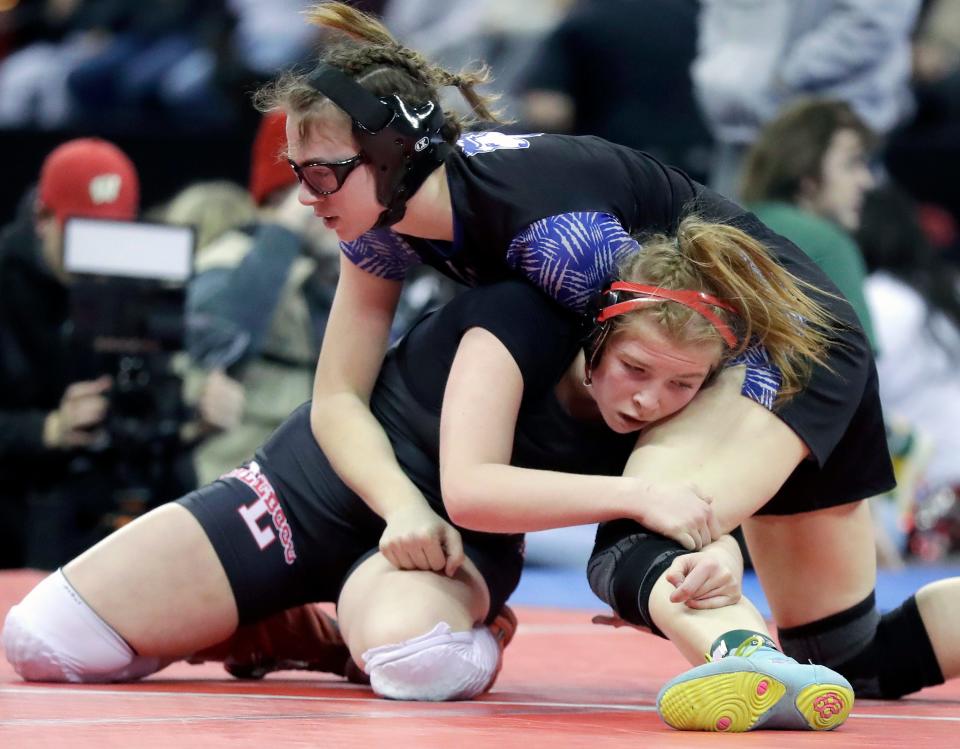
(936,48)
(119,64)
(755,56)
(458,33)
(45,420)
(33,78)
(805,177)
(212,208)
(914,298)
(258,304)
(157,60)
(918,153)
(270,34)
(64,481)
(620,69)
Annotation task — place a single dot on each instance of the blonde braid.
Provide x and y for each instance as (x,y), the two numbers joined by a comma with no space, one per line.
(367,52)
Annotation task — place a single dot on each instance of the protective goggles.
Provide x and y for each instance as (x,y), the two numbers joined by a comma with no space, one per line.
(325,177)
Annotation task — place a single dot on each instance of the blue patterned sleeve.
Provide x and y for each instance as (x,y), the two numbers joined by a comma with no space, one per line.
(381,252)
(570,255)
(763,379)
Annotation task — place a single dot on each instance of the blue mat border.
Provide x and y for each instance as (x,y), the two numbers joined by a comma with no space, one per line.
(566,587)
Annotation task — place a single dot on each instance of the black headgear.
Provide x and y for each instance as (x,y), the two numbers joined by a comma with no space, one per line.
(402,142)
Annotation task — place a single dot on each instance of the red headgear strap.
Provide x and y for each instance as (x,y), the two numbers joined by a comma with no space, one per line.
(699,301)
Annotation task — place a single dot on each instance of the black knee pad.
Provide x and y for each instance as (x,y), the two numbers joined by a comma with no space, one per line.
(883,657)
(627,560)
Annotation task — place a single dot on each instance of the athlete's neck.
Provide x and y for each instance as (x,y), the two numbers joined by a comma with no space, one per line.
(430,210)
(573,395)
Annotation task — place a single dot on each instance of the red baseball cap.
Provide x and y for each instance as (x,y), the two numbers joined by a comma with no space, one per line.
(90,178)
(269,169)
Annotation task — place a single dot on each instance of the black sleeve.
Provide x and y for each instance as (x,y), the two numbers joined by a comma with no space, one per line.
(21,433)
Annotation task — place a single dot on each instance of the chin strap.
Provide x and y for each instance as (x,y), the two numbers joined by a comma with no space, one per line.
(401,142)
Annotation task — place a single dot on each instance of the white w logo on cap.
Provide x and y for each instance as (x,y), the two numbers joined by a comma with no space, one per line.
(104,188)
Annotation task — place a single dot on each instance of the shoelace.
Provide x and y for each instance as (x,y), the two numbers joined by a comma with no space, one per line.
(749,646)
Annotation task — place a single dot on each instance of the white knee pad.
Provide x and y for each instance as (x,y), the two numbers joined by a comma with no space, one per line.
(440,665)
(53,635)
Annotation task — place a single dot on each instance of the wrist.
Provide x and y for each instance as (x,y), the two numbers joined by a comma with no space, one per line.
(52,433)
(727,547)
(403,500)
(632,500)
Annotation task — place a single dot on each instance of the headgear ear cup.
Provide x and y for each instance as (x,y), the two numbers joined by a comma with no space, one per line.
(404,143)
(596,331)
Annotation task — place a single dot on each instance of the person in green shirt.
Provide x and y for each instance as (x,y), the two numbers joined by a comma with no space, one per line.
(806,177)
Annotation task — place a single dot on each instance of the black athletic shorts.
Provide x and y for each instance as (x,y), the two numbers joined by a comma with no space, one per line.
(289,532)
(855,467)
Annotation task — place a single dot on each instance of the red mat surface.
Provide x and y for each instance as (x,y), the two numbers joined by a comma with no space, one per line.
(565,683)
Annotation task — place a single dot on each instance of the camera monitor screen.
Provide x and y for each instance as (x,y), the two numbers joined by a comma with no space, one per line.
(128,249)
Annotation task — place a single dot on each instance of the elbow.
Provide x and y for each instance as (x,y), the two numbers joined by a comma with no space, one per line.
(460,501)
(328,411)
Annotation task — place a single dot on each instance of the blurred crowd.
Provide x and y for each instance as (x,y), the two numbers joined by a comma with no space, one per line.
(836,121)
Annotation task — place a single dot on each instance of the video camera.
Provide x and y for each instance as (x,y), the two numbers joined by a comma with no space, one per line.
(127,300)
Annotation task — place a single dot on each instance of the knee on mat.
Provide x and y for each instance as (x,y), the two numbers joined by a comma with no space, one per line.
(52,635)
(883,656)
(625,567)
(438,666)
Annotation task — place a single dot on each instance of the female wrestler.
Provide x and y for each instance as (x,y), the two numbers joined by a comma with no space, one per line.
(384,167)
(382,164)
(534,434)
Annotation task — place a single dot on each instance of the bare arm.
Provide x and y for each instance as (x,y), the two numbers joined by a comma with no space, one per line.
(483,491)
(353,440)
(733,449)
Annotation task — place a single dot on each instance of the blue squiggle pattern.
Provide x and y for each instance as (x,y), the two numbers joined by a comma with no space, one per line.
(570,255)
(382,252)
(763,379)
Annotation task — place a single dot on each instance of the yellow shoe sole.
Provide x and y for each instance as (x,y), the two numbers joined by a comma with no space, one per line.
(731,703)
(734,702)
(825,706)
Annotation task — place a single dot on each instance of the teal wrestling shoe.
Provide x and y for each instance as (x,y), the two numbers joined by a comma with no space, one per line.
(755,687)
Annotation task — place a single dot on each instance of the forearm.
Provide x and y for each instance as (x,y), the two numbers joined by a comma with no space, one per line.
(500,498)
(260,276)
(231,306)
(361,454)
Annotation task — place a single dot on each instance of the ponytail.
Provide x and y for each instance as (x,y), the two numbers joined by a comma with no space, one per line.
(774,307)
